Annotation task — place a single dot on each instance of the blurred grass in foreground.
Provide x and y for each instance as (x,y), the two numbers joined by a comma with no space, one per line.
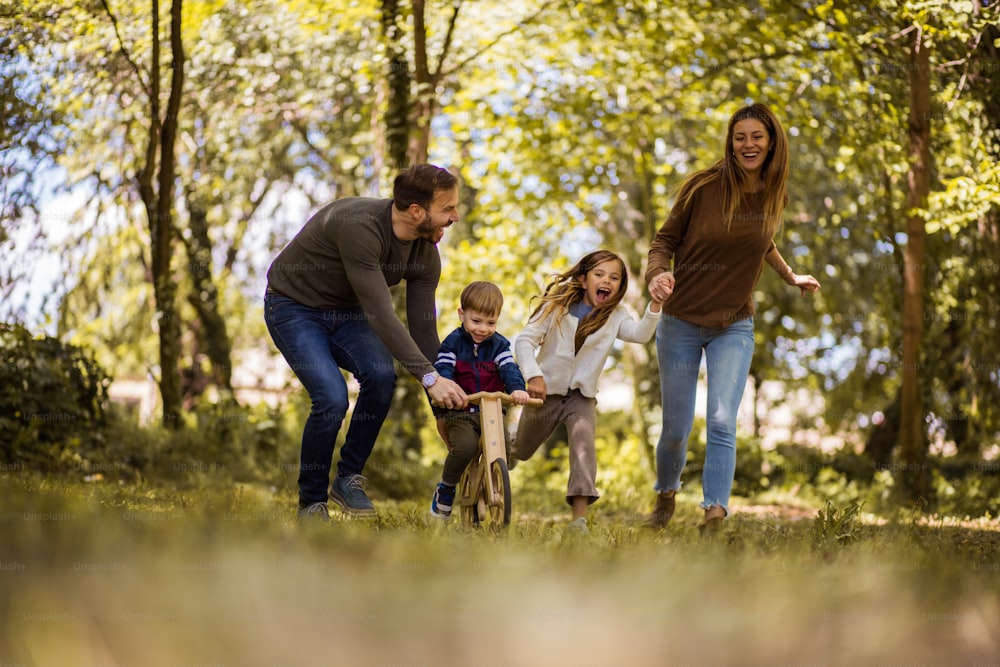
(101,574)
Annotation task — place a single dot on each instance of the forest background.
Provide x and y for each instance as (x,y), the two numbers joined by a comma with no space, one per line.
(155,156)
(165,153)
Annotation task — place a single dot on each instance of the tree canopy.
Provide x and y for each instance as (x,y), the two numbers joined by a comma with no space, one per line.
(571,125)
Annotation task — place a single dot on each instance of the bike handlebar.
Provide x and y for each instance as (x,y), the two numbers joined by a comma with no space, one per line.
(504,397)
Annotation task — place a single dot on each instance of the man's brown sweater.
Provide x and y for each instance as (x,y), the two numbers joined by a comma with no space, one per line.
(347,256)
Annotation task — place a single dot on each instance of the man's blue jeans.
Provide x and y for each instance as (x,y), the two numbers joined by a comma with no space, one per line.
(317,344)
(728,353)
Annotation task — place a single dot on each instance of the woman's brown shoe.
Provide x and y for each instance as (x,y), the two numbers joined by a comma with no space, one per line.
(711,526)
(664,509)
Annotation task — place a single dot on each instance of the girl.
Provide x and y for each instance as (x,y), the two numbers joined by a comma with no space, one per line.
(562,351)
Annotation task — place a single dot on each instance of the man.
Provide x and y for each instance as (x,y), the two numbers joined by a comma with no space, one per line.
(328,308)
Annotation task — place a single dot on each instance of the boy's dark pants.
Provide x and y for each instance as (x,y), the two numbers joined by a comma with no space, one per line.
(463,429)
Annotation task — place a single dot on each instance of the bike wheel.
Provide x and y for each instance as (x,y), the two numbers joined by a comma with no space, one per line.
(500,511)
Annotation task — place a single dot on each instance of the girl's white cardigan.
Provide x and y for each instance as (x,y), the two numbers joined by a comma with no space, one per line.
(556,362)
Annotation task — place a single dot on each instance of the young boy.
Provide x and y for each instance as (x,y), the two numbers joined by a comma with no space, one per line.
(479,359)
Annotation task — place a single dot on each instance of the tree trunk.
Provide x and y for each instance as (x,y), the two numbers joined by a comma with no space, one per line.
(158,202)
(423,104)
(912,475)
(634,221)
(410,404)
(882,438)
(397,126)
(204,298)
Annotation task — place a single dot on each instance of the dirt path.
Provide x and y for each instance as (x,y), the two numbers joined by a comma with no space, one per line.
(784,512)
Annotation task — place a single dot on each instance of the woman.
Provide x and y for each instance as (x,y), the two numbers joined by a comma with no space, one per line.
(711,252)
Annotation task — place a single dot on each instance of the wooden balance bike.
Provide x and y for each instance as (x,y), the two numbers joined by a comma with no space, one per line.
(483,494)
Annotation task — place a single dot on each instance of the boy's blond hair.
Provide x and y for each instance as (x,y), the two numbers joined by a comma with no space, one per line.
(482,297)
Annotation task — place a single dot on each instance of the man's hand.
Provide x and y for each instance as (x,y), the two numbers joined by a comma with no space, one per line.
(447,394)
(536,387)
(520,397)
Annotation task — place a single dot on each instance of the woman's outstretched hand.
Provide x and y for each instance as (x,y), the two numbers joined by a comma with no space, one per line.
(804,283)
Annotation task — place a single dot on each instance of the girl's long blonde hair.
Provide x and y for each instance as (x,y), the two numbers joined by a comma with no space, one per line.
(729,172)
(565,290)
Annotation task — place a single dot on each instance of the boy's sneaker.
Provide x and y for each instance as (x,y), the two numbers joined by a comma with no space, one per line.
(349,493)
(444,496)
(314,511)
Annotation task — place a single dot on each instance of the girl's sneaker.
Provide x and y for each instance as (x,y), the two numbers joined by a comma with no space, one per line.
(444,496)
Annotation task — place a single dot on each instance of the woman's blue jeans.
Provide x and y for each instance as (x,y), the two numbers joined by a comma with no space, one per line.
(728,353)
(317,344)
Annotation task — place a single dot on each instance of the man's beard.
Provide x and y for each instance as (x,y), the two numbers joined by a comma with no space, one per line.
(429,232)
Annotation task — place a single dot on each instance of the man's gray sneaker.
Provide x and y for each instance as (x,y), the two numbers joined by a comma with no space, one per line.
(349,493)
(314,511)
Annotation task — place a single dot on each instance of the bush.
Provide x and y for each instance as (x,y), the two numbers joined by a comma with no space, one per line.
(52,401)
(222,442)
(973,494)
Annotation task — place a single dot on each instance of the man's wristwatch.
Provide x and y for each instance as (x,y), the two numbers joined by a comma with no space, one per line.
(429,379)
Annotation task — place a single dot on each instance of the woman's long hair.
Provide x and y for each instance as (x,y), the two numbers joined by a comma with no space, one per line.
(730,173)
(565,290)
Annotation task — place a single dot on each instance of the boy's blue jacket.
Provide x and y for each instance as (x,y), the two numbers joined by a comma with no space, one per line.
(489,366)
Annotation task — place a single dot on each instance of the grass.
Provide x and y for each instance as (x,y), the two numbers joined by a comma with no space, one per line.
(106,574)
